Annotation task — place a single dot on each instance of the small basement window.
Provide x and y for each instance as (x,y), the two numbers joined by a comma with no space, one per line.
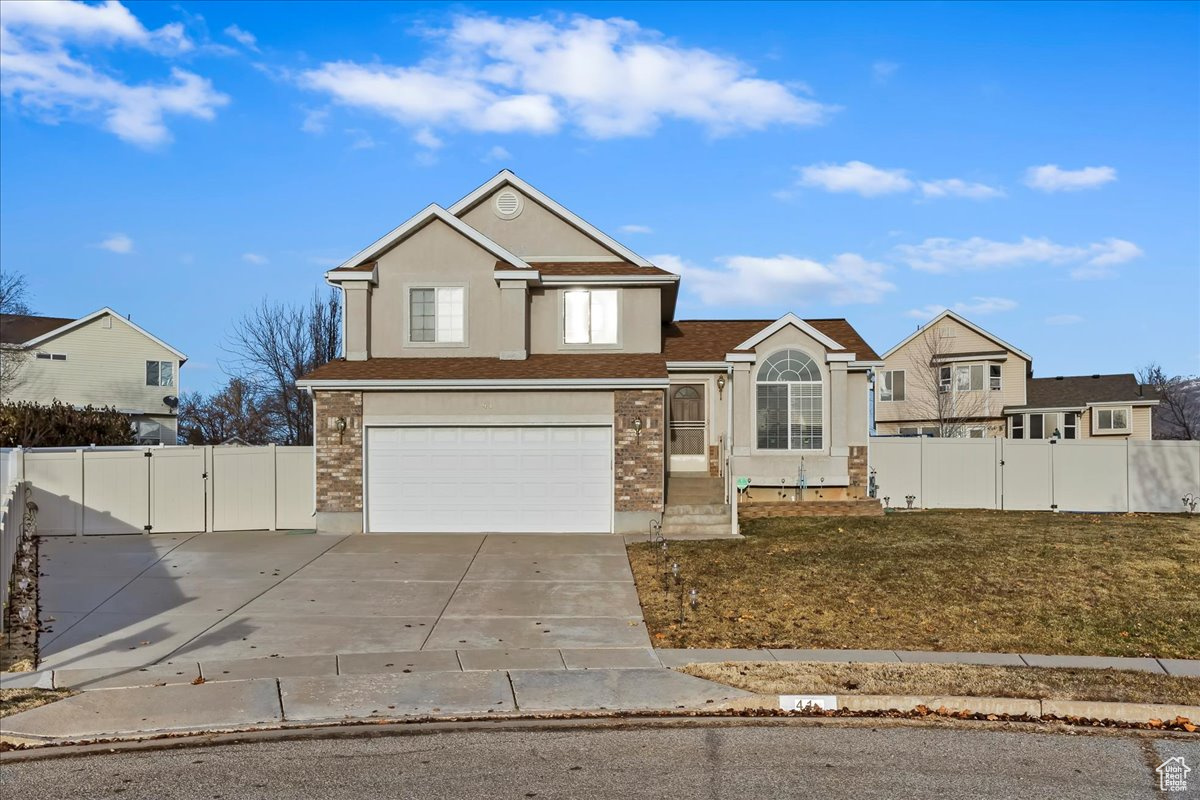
(52,356)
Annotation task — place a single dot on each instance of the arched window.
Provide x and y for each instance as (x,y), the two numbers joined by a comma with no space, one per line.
(789,403)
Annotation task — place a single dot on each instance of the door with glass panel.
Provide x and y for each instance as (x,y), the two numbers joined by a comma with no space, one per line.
(688,434)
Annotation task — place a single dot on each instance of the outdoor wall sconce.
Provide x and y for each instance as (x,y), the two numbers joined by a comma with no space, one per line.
(720,385)
(637,426)
(339,425)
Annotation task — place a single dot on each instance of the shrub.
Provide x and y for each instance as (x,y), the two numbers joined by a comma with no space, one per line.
(60,425)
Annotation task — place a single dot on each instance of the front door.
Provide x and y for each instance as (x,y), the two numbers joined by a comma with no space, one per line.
(688,441)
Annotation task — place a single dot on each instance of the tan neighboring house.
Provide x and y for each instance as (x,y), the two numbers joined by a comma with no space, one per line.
(1083,407)
(510,367)
(951,378)
(102,359)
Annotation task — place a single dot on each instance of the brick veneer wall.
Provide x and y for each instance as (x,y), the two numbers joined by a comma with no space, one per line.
(714,461)
(638,468)
(811,508)
(857,466)
(339,454)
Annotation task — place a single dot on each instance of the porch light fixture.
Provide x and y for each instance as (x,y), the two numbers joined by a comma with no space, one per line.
(720,385)
(339,425)
(637,426)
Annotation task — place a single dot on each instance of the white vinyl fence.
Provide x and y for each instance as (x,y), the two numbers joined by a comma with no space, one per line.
(1091,475)
(93,491)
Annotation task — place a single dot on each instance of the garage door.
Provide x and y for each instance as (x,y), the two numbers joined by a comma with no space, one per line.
(504,479)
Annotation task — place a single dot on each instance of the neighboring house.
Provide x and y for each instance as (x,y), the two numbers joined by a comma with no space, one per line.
(952,378)
(1083,407)
(949,378)
(102,359)
(509,367)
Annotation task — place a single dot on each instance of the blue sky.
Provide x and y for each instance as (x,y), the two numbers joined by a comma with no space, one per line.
(1035,166)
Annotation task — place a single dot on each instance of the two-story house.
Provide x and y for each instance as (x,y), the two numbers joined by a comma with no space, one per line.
(949,377)
(952,378)
(510,367)
(102,360)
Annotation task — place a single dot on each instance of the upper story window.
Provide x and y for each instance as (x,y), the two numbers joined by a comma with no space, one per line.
(994,376)
(1111,420)
(436,315)
(590,316)
(790,403)
(968,377)
(160,373)
(891,385)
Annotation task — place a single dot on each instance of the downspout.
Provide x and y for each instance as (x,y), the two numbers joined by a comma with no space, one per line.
(730,493)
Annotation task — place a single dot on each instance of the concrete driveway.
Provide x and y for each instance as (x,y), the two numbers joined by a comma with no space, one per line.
(124,601)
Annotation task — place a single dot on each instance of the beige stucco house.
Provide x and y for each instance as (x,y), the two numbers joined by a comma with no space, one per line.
(102,359)
(952,378)
(509,367)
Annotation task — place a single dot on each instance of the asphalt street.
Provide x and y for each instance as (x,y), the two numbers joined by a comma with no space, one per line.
(701,760)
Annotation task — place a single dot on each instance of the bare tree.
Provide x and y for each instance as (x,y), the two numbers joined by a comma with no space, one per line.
(14,299)
(276,344)
(1177,415)
(235,411)
(951,399)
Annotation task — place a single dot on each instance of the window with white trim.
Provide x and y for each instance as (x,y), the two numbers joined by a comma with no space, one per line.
(891,385)
(160,373)
(1111,420)
(1037,426)
(590,316)
(436,315)
(994,373)
(790,403)
(945,378)
(1070,426)
(52,356)
(1018,426)
(968,378)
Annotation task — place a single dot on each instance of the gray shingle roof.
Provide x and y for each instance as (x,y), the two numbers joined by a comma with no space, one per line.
(1076,391)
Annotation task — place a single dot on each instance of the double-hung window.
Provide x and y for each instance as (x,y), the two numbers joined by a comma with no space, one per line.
(789,403)
(160,373)
(994,377)
(891,385)
(590,316)
(945,375)
(436,315)
(1018,426)
(1070,425)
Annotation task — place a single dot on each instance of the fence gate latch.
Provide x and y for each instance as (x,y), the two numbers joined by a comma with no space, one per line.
(147,528)
(146,454)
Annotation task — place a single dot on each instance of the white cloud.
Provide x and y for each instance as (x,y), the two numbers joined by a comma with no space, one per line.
(117,243)
(1064,319)
(360,139)
(254,258)
(856,176)
(45,72)
(943,255)
(606,78)
(315,120)
(497,153)
(243,37)
(1052,178)
(427,139)
(882,71)
(954,187)
(635,229)
(782,280)
(868,180)
(978,306)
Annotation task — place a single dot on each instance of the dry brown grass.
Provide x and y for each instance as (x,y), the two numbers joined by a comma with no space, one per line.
(1118,686)
(1116,585)
(14,701)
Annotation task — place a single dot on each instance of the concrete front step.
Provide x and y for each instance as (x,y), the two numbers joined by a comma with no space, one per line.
(698,508)
(706,529)
(679,520)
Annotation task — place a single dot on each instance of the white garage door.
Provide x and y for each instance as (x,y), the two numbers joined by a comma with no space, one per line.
(505,479)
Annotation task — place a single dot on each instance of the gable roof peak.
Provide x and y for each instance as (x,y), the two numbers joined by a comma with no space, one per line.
(507,176)
(947,313)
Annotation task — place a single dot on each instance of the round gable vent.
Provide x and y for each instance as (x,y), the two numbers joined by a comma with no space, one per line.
(508,204)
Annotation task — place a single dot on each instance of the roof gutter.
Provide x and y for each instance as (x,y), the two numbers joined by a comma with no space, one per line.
(506,383)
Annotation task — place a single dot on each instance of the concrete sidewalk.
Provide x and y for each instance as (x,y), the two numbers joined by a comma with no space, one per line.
(228,705)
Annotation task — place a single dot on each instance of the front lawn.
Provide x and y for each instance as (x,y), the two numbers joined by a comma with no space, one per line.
(1026,582)
(953,680)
